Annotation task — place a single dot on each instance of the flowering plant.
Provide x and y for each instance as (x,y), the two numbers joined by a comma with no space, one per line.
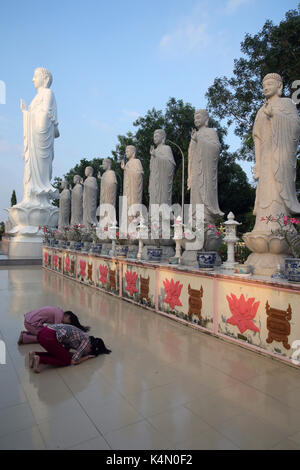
(47,232)
(198,232)
(60,235)
(74,233)
(288,229)
(94,236)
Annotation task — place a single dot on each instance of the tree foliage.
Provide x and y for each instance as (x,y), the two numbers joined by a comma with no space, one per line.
(13,199)
(275,48)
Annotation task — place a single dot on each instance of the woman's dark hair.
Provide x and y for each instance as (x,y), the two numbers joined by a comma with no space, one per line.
(98,347)
(75,322)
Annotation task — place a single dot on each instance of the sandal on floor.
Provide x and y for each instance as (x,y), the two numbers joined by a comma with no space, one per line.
(36,363)
(20,340)
(31,359)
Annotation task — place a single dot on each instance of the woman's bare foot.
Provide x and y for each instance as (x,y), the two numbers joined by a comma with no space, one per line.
(20,340)
(36,363)
(31,359)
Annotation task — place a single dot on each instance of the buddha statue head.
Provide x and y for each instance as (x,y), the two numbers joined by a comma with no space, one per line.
(159,137)
(272,85)
(64,185)
(106,165)
(201,118)
(88,171)
(77,179)
(130,151)
(42,78)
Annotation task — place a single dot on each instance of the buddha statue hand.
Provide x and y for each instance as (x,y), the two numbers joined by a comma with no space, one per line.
(22,105)
(194,135)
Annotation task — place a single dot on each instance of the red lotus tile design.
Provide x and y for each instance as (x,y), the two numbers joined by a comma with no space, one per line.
(103,270)
(67,264)
(131,278)
(173,291)
(55,260)
(46,258)
(243,312)
(82,266)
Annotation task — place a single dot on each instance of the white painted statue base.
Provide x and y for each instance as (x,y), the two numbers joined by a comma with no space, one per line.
(22,247)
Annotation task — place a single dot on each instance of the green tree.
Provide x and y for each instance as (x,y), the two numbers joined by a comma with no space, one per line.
(275,48)
(13,199)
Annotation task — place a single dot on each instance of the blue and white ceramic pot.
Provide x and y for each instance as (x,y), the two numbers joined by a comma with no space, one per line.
(154,254)
(122,250)
(206,259)
(292,269)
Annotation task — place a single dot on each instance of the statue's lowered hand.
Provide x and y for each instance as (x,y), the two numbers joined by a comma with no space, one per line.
(22,105)
(194,135)
(268,110)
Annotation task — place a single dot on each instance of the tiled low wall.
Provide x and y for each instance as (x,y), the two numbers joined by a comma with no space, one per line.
(256,313)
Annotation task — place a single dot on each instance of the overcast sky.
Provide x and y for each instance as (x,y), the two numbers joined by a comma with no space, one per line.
(111,62)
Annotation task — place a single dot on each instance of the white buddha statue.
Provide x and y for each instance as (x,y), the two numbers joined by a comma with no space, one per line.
(108,190)
(77,201)
(90,195)
(276,135)
(64,206)
(40,130)
(203,156)
(162,167)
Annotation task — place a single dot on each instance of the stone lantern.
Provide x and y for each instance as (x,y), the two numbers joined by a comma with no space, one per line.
(141,227)
(230,240)
(112,235)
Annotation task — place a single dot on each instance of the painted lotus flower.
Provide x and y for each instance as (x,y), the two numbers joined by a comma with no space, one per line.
(131,278)
(67,263)
(55,260)
(103,270)
(243,312)
(173,291)
(82,266)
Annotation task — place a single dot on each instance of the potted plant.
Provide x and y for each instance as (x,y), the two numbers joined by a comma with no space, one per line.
(48,238)
(212,238)
(121,246)
(288,230)
(61,237)
(96,242)
(74,237)
(154,253)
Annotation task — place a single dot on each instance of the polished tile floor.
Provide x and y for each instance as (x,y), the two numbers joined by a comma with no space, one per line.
(165,386)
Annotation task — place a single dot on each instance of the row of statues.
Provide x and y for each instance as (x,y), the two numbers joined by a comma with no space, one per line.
(204,152)
(276,135)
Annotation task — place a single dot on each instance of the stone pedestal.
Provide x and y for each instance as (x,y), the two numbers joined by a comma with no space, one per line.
(265,264)
(26,236)
(22,247)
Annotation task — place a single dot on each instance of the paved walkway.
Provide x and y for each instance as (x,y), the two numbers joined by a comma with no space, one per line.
(165,386)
